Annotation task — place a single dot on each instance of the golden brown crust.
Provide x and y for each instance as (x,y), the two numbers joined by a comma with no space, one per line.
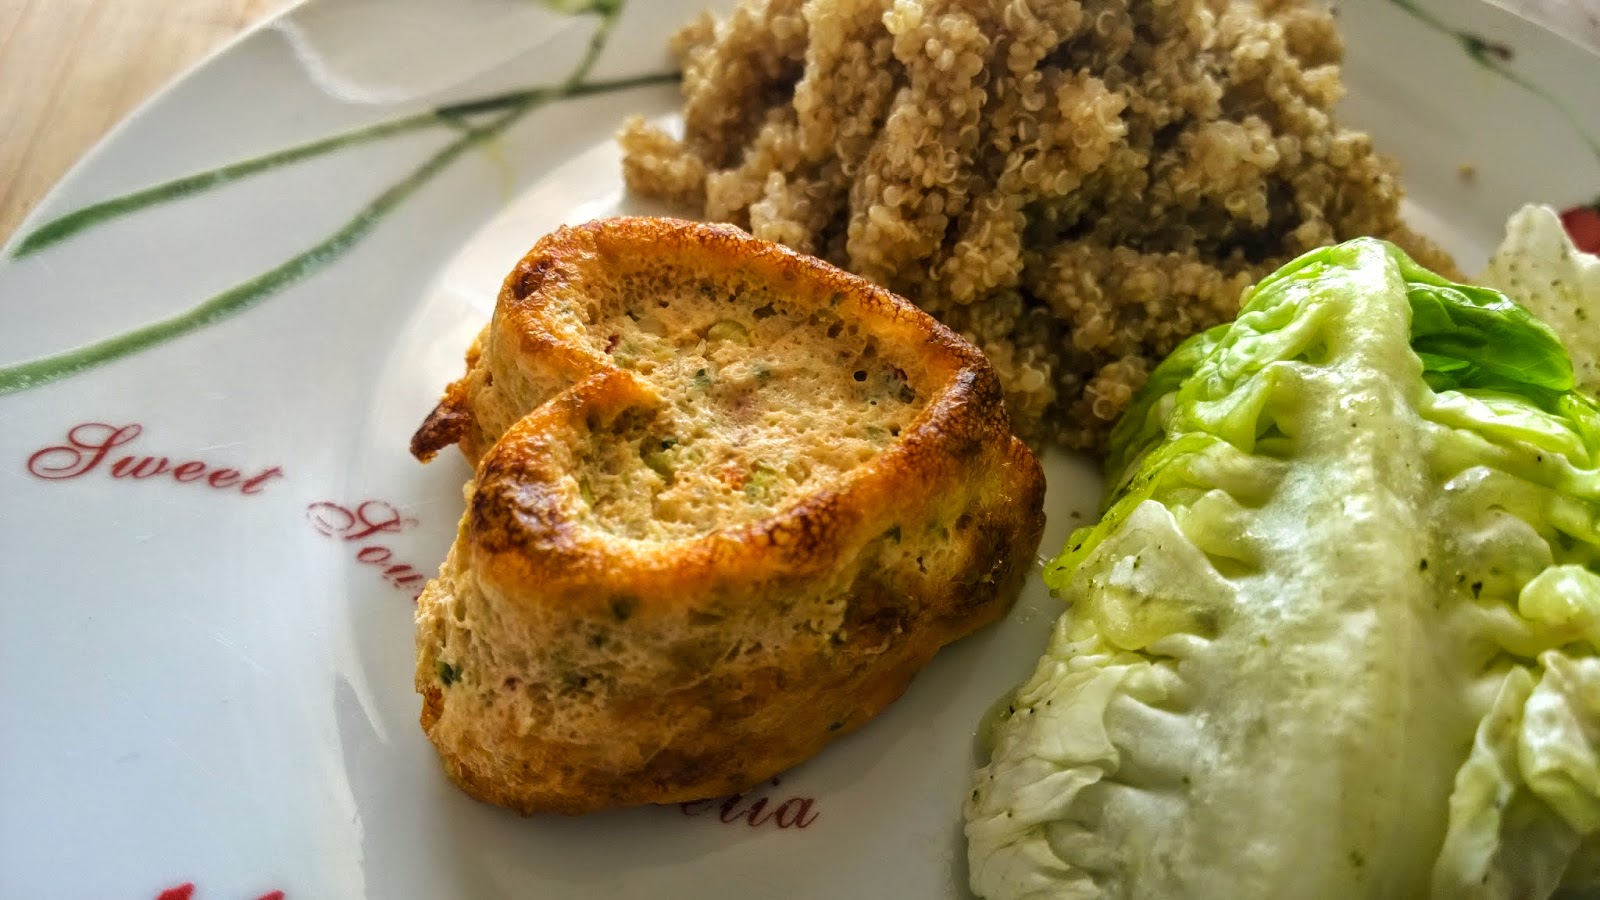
(446,425)
(567,667)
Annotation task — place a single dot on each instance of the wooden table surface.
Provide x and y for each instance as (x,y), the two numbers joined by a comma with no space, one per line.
(70,69)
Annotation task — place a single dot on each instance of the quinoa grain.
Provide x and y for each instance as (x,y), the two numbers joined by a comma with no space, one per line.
(1074,186)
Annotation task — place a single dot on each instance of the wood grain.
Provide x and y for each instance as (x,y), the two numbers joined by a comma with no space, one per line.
(70,69)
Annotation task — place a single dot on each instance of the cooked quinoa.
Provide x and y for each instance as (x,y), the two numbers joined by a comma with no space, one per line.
(1074,186)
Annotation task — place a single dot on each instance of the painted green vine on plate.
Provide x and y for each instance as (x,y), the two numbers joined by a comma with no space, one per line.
(475,121)
(1495,56)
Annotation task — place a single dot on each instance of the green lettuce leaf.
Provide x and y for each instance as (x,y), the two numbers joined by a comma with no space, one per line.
(1336,634)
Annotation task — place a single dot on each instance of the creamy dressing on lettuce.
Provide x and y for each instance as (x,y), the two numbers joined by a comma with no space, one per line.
(1336,634)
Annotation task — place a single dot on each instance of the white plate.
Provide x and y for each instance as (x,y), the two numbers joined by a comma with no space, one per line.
(207,671)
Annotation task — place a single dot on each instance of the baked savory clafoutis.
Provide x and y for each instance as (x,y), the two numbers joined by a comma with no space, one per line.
(728,501)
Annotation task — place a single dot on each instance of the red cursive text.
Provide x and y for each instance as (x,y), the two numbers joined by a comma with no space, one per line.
(366,521)
(756,811)
(89,445)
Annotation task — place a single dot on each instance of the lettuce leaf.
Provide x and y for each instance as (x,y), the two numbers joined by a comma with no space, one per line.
(1538,266)
(1338,632)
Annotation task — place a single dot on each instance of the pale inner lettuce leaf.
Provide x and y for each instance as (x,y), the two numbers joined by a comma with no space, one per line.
(1336,634)
(1538,267)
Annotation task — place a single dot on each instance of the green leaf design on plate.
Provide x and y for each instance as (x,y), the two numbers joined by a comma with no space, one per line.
(502,110)
(1495,57)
